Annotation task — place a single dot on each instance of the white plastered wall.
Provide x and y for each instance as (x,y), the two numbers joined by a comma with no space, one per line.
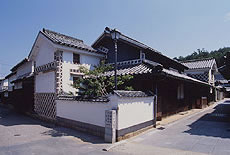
(25,68)
(45,82)
(5,83)
(45,52)
(133,111)
(87,61)
(10,85)
(87,112)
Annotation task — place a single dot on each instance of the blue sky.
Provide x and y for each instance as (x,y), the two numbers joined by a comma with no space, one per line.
(175,28)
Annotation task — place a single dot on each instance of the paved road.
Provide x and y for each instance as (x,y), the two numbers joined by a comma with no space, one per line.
(205,133)
(22,135)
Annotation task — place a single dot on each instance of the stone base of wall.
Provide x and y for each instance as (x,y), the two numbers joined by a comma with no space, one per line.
(134,130)
(81,126)
(40,117)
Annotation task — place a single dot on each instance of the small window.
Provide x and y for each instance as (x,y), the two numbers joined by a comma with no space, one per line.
(180,92)
(76,58)
(142,55)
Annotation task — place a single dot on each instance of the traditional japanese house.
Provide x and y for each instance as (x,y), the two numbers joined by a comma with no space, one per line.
(222,86)
(23,91)
(154,72)
(57,58)
(3,90)
(203,70)
(9,97)
(224,69)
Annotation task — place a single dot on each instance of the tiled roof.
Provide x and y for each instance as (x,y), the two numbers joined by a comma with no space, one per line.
(150,67)
(78,98)
(19,64)
(23,77)
(123,93)
(138,67)
(67,41)
(177,75)
(136,43)
(199,64)
(9,75)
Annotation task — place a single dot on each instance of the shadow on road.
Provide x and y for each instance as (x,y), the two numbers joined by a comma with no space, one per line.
(214,124)
(10,118)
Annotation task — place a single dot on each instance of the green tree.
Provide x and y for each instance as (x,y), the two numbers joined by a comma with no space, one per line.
(202,53)
(95,84)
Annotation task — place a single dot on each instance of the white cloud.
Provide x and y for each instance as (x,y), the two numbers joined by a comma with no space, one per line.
(227,17)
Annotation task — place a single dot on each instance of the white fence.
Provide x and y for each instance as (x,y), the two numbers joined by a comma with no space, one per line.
(132,113)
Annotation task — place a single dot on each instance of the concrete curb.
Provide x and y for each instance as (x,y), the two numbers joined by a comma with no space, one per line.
(114,145)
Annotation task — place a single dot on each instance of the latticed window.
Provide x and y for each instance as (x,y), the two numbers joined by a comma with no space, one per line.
(76,58)
(180,92)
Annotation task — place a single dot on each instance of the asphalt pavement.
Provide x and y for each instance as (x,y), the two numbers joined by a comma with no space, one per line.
(207,132)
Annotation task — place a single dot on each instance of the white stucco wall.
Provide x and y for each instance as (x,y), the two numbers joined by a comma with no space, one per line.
(67,77)
(87,61)
(87,112)
(10,85)
(45,53)
(133,111)
(45,82)
(25,68)
(5,83)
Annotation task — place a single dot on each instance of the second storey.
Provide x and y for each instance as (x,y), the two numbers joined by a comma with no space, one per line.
(57,58)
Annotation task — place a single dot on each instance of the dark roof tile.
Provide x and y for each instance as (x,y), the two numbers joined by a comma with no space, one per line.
(68,41)
(123,93)
(199,64)
(149,67)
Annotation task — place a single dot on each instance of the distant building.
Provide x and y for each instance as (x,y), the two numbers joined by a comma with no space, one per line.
(224,70)
(202,69)
(222,86)
(23,86)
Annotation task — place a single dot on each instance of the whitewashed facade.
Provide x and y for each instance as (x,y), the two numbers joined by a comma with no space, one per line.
(133,111)
(53,56)
(22,70)
(3,85)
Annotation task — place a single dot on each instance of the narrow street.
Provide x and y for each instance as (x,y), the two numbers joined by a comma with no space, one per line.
(207,132)
(22,135)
